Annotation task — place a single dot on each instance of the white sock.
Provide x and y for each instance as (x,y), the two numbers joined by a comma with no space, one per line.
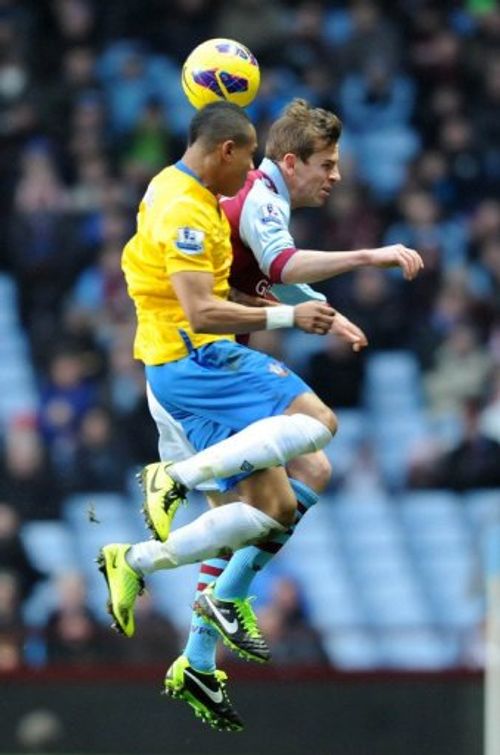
(228,527)
(266,443)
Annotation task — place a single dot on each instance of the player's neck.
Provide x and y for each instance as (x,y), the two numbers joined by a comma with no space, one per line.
(199,164)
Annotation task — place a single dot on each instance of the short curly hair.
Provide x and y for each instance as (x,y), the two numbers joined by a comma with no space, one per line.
(218,122)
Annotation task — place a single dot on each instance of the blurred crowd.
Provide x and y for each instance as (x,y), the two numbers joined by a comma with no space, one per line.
(91,108)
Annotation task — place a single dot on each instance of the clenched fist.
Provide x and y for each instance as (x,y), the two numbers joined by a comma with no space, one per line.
(314,317)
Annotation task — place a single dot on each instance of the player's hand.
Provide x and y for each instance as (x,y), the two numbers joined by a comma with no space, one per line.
(314,317)
(397,255)
(348,332)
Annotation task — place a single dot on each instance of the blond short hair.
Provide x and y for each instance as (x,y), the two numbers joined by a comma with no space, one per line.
(302,129)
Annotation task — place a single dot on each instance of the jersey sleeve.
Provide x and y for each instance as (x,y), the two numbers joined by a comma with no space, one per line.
(264,228)
(187,239)
(296,293)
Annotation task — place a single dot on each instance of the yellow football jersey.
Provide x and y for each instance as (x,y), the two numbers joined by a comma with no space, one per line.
(180,228)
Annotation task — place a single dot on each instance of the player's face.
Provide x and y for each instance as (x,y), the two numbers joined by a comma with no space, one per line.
(237,165)
(313,180)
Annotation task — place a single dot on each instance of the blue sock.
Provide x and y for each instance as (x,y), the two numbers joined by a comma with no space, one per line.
(238,575)
(202,641)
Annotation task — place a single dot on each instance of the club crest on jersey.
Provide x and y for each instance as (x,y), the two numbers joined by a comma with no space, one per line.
(278,369)
(190,241)
(269,213)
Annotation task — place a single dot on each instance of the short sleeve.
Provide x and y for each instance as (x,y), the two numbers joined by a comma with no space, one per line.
(186,237)
(264,228)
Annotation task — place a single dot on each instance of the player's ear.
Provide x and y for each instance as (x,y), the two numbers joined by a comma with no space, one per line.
(288,162)
(227,149)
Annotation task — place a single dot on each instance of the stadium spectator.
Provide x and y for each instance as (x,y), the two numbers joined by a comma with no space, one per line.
(461,371)
(66,395)
(473,463)
(159,637)
(260,25)
(489,422)
(372,36)
(374,302)
(100,459)
(284,621)
(72,633)
(336,374)
(14,558)
(12,630)
(27,477)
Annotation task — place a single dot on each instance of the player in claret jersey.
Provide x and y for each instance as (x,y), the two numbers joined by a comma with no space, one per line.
(300,169)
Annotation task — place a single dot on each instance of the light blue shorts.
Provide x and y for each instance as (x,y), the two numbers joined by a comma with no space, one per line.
(221,388)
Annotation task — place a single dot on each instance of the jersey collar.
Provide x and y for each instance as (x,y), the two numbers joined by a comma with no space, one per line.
(180,165)
(270,168)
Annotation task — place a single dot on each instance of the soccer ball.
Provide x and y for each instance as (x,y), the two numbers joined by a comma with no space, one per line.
(220,69)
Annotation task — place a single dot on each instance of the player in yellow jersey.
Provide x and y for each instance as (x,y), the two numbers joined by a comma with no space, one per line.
(180,228)
(246,414)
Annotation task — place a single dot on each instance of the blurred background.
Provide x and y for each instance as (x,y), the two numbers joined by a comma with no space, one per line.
(386,574)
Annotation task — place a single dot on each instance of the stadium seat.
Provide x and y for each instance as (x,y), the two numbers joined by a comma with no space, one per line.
(173,593)
(109,508)
(395,437)
(482,508)
(353,649)
(298,347)
(42,601)
(433,514)
(338,606)
(420,649)
(454,582)
(51,546)
(392,374)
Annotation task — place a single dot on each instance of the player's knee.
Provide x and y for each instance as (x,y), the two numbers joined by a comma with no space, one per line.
(282,508)
(320,423)
(310,405)
(319,473)
(285,510)
(314,470)
(327,417)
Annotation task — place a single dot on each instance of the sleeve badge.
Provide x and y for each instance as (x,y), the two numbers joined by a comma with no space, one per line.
(269,213)
(190,240)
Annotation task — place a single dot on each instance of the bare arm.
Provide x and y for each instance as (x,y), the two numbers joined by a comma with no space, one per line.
(349,332)
(209,314)
(308,266)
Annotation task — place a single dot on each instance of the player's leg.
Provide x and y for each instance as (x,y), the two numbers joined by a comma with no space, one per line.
(227,595)
(205,692)
(193,676)
(225,603)
(266,443)
(232,404)
(216,531)
(195,670)
(313,470)
(274,440)
(239,571)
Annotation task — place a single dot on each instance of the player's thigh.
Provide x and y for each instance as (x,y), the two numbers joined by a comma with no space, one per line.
(309,403)
(312,469)
(269,490)
(222,388)
(216,499)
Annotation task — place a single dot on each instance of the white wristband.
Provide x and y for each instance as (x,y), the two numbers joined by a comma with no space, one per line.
(282,316)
